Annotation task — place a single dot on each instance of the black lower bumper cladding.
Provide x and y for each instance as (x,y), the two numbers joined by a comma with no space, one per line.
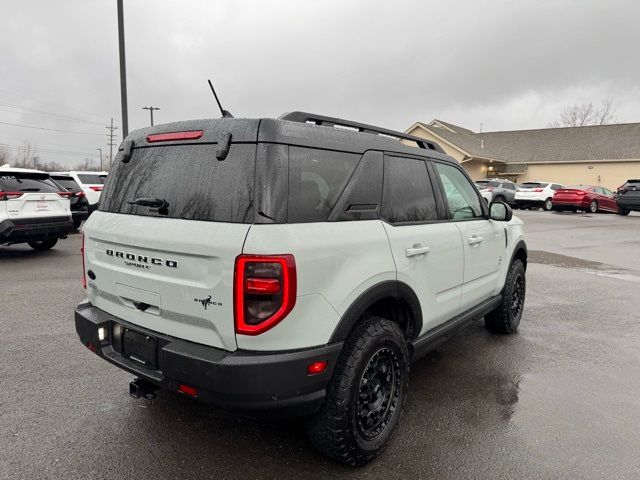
(28,230)
(277,382)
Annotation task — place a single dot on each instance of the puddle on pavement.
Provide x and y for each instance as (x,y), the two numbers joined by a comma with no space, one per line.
(587,266)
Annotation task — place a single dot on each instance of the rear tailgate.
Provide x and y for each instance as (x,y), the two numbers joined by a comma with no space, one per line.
(170,269)
(168,275)
(569,195)
(32,195)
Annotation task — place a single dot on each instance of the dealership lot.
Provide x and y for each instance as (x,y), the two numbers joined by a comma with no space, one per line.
(558,400)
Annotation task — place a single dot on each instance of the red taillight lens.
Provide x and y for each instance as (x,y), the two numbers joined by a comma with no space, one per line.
(264,291)
(172,136)
(316,368)
(187,390)
(10,195)
(84,274)
(79,194)
(96,189)
(538,189)
(65,194)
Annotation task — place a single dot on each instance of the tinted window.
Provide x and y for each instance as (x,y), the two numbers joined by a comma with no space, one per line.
(408,194)
(67,182)
(608,192)
(26,182)
(193,182)
(461,196)
(91,178)
(508,186)
(533,185)
(316,180)
(556,186)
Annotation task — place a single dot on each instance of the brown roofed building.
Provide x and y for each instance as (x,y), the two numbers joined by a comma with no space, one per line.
(605,155)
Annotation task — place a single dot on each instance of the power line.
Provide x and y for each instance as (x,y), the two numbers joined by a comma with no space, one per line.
(49,129)
(29,111)
(111,143)
(45,150)
(66,107)
(151,109)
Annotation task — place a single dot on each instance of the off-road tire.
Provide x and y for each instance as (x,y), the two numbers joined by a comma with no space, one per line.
(336,430)
(623,211)
(505,318)
(548,205)
(593,207)
(42,245)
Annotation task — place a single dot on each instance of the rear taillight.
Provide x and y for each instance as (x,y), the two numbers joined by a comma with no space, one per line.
(79,194)
(538,189)
(96,189)
(65,194)
(172,136)
(264,291)
(10,195)
(84,274)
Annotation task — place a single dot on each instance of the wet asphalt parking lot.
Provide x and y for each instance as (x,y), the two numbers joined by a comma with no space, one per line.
(558,400)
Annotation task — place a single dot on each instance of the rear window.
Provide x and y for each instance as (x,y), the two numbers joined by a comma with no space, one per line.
(26,182)
(189,178)
(91,178)
(67,182)
(586,188)
(533,185)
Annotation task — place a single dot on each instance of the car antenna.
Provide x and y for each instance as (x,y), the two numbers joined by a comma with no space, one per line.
(225,113)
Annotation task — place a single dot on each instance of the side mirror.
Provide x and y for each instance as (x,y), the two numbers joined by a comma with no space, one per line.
(500,212)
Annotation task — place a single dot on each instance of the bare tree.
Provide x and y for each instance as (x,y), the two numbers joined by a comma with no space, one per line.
(26,154)
(586,114)
(5,155)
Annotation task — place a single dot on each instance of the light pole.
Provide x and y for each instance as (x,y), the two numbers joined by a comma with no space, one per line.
(100,150)
(123,71)
(151,109)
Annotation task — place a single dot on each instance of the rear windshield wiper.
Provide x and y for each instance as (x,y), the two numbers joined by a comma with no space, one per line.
(160,203)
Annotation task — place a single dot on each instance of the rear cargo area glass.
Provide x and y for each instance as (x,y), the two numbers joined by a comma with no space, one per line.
(194,183)
(26,182)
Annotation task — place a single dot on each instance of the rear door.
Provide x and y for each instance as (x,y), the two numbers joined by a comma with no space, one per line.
(426,250)
(32,195)
(483,240)
(170,268)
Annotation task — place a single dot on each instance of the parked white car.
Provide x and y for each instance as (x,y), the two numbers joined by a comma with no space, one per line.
(33,209)
(269,265)
(537,194)
(91,184)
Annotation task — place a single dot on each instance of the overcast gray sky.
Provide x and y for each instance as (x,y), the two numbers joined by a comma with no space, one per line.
(510,65)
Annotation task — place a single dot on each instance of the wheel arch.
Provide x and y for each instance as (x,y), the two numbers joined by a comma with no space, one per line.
(390,298)
(521,253)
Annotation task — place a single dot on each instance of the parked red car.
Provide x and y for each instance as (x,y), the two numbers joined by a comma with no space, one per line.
(587,198)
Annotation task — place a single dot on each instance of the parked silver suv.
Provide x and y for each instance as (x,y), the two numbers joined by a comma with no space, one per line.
(497,190)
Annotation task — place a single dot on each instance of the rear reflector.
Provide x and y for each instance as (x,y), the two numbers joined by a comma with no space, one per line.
(172,136)
(262,285)
(187,390)
(316,368)
(96,189)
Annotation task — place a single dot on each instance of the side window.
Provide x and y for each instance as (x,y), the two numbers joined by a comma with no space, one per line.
(408,194)
(608,192)
(555,186)
(509,186)
(598,190)
(461,196)
(316,180)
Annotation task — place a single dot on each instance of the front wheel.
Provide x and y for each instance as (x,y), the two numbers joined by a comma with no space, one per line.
(548,204)
(42,245)
(365,396)
(506,317)
(593,207)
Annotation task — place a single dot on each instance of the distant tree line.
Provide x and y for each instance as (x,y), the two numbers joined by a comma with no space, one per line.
(27,157)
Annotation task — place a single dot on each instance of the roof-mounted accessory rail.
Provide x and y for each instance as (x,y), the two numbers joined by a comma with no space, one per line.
(304,117)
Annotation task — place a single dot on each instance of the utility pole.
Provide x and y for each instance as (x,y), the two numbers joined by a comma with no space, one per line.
(35,163)
(151,109)
(123,71)
(111,144)
(100,150)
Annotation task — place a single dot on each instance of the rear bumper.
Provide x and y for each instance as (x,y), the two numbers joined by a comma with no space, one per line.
(33,229)
(571,204)
(92,208)
(80,214)
(241,380)
(529,202)
(628,203)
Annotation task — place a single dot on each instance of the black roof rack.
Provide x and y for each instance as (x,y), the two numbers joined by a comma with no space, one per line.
(304,117)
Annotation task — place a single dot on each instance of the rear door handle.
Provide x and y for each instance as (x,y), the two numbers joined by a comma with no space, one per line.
(417,249)
(475,239)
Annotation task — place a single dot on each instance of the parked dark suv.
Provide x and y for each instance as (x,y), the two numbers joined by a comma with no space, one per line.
(79,203)
(628,197)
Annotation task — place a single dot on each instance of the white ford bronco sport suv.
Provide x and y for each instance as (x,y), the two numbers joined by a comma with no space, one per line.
(33,209)
(286,265)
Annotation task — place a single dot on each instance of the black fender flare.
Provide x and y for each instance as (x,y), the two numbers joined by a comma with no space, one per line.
(520,246)
(388,289)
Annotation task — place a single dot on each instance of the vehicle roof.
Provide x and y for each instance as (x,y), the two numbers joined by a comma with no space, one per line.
(80,171)
(271,130)
(7,168)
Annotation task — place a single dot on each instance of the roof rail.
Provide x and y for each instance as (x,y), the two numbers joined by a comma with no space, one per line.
(304,117)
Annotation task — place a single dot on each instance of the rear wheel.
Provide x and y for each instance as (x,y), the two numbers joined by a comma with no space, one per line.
(623,211)
(593,207)
(366,394)
(506,317)
(548,204)
(42,245)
